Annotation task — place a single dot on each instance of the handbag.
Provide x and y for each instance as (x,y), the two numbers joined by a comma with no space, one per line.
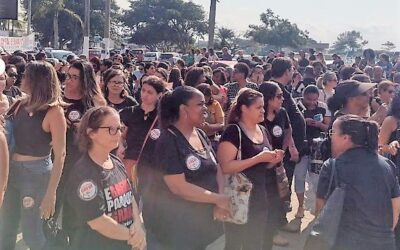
(134,167)
(282,182)
(238,187)
(324,231)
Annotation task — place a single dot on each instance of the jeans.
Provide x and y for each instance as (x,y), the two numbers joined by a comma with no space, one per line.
(300,173)
(27,185)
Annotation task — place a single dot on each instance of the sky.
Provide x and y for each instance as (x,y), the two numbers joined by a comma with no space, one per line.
(378,21)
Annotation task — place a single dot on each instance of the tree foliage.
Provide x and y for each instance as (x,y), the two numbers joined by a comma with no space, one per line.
(226,37)
(71,14)
(277,32)
(165,23)
(349,43)
(388,46)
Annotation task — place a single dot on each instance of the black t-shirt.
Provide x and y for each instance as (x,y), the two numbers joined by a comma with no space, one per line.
(13,91)
(370,186)
(186,220)
(256,173)
(303,62)
(138,124)
(277,127)
(94,191)
(128,101)
(73,113)
(296,118)
(318,114)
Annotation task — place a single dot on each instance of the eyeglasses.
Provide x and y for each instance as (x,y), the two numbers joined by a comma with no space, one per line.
(113,130)
(73,77)
(279,96)
(331,132)
(13,74)
(117,83)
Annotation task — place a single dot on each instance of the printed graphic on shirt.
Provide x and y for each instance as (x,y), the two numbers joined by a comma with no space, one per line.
(74,115)
(155,134)
(87,190)
(277,131)
(119,202)
(318,117)
(193,163)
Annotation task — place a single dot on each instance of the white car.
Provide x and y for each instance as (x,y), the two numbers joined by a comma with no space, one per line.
(59,54)
(171,57)
(151,56)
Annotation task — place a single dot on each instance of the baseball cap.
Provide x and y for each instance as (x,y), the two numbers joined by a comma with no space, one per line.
(352,88)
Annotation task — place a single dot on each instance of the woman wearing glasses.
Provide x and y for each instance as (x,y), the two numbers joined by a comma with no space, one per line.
(386,91)
(39,130)
(100,204)
(371,204)
(277,123)
(81,93)
(115,90)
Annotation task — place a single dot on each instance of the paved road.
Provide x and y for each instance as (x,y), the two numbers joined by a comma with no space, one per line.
(296,240)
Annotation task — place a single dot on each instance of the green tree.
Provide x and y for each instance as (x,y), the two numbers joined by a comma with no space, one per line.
(165,24)
(226,37)
(70,30)
(276,31)
(43,9)
(349,43)
(388,46)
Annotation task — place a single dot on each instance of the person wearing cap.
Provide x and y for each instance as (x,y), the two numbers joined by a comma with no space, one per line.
(351,97)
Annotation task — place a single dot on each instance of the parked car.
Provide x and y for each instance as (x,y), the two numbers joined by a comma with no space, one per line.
(151,56)
(59,54)
(171,57)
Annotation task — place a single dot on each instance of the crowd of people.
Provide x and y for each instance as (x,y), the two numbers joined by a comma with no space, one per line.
(134,155)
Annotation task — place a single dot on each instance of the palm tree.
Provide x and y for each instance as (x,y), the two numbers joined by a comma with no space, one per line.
(53,8)
(226,35)
(211,23)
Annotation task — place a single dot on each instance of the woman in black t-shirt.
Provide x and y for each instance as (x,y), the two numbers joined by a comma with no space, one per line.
(140,122)
(189,187)
(277,123)
(257,156)
(115,92)
(82,93)
(101,210)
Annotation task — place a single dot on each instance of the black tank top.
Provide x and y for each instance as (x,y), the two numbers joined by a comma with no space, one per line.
(30,138)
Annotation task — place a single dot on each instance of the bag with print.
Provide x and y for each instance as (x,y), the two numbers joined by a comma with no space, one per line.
(282,182)
(238,187)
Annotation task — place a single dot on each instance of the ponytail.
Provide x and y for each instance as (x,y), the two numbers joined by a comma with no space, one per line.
(171,101)
(335,103)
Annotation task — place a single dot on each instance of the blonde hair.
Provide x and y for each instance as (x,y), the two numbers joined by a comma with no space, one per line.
(45,89)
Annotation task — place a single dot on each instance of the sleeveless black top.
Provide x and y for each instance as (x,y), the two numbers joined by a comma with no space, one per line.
(30,138)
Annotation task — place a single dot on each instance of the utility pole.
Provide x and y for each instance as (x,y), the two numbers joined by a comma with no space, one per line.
(87,29)
(28,30)
(107,27)
(211,23)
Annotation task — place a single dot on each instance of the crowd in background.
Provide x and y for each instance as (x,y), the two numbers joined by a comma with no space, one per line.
(132,153)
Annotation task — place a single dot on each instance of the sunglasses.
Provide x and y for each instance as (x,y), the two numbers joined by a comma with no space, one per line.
(112,130)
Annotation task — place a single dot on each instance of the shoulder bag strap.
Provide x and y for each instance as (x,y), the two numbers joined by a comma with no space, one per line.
(147,137)
(332,162)
(239,153)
